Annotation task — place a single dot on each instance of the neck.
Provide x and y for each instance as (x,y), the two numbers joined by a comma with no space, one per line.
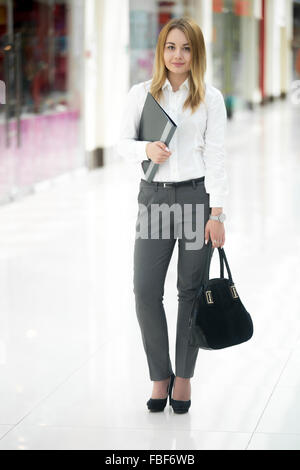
(177,79)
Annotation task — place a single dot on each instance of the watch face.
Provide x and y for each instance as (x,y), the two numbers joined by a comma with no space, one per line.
(222,217)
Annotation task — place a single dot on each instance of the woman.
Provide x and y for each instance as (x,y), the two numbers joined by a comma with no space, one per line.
(194,165)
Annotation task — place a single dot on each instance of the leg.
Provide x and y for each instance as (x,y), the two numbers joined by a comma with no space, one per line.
(151,261)
(191,264)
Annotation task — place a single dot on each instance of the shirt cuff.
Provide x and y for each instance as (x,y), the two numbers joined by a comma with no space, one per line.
(140,150)
(216,201)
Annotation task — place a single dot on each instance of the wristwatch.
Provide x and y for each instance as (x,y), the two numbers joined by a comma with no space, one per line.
(220,218)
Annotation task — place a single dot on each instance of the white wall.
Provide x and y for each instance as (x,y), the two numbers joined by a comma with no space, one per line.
(278,15)
(106,68)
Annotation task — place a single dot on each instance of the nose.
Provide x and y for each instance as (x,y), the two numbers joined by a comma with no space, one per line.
(177,54)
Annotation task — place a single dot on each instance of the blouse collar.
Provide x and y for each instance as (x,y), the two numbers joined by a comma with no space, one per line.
(185,84)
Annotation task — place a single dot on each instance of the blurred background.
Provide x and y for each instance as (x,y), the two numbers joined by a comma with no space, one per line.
(73,373)
(68,63)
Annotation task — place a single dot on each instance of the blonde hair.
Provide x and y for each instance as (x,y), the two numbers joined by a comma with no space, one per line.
(195,38)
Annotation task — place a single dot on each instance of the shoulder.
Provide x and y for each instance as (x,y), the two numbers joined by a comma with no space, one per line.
(141,88)
(213,95)
(138,94)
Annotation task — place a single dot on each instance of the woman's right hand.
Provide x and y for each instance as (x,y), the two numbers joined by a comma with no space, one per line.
(157,152)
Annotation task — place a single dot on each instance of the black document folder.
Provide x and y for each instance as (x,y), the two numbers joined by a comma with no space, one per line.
(155,125)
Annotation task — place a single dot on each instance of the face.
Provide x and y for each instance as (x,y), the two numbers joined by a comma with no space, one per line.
(177,51)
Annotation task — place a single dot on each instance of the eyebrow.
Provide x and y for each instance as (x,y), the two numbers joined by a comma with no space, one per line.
(186,44)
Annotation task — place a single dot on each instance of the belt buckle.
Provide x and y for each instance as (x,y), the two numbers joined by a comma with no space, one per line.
(166,185)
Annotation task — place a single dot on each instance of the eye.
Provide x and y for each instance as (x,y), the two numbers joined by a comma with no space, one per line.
(186,48)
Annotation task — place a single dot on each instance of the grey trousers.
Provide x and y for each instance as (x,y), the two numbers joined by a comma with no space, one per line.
(152,256)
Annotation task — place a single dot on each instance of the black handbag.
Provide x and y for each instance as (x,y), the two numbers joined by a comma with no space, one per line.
(218,318)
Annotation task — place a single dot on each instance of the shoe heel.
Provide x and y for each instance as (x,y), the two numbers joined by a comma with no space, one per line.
(171,387)
(159,404)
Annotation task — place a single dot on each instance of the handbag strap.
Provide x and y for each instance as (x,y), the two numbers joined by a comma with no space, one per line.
(222,258)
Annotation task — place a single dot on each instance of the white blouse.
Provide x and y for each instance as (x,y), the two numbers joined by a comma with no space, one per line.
(197,146)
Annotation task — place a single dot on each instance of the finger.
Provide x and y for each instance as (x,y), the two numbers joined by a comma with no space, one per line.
(162,159)
(164,156)
(223,239)
(162,145)
(161,156)
(166,149)
(206,235)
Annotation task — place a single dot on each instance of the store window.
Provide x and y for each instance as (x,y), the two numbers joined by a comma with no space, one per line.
(296,41)
(40,124)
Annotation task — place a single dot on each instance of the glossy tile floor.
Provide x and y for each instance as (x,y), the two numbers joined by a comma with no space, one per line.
(73,370)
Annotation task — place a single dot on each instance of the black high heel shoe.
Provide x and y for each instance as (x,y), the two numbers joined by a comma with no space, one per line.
(158,404)
(179,406)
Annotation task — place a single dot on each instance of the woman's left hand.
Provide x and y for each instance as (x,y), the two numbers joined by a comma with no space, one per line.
(216,231)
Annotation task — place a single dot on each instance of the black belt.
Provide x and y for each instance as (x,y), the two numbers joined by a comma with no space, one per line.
(171,184)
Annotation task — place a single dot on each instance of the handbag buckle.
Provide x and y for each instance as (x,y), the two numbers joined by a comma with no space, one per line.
(209,298)
(233,292)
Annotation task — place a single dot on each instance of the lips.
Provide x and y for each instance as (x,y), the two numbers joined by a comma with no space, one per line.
(178,63)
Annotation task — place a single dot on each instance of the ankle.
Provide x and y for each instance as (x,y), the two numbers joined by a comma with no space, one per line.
(182,389)
(182,379)
(160,388)
(161,383)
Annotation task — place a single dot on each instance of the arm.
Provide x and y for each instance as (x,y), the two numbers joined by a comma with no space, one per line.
(128,146)
(216,210)
(216,183)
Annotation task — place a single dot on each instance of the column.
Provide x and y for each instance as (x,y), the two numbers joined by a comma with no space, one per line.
(106,73)
(203,15)
(277,57)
